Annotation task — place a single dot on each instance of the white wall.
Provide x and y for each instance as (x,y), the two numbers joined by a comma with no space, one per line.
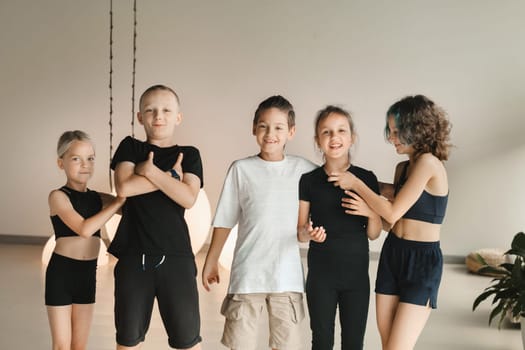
(224,57)
(487,203)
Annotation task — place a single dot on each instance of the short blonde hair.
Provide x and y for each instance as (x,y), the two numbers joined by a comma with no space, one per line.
(158,87)
(68,137)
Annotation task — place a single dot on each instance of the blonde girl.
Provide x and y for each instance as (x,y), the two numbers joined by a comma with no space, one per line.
(77,214)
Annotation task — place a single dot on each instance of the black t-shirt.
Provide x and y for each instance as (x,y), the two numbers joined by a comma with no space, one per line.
(86,204)
(152,223)
(343,231)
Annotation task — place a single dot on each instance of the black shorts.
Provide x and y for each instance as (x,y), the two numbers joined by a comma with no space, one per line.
(70,281)
(410,269)
(171,280)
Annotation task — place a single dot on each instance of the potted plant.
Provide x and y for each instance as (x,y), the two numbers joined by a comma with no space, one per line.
(508,286)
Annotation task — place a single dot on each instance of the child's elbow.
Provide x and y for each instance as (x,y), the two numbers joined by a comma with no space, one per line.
(122,190)
(84,233)
(189,203)
(187,206)
(374,235)
(392,218)
(301,237)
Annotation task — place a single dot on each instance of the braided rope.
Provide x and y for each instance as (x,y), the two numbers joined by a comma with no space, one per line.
(110,92)
(134,65)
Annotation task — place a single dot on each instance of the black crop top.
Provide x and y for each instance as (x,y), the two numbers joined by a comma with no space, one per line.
(428,207)
(86,204)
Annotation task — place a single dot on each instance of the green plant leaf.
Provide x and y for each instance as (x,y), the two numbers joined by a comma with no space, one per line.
(518,245)
(506,294)
(508,287)
(480,259)
(517,271)
(482,297)
(496,311)
(487,269)
(521,301)
(507,268)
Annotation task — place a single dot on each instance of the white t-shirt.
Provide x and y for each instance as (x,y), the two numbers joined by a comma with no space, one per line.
(262,197)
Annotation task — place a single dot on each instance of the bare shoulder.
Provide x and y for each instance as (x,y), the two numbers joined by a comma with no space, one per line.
(56,200)
(56,195)
(428,160)
(434,168)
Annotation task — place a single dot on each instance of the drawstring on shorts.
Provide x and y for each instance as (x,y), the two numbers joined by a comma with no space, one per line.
(157,265)
(161,261)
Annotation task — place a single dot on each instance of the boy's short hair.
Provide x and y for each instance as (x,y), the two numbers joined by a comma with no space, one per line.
(155,88)
(278,102)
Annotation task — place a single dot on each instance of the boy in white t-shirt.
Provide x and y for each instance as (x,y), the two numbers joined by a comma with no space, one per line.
(260,194)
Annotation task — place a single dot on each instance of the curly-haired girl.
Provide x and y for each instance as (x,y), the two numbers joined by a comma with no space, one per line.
(411,262)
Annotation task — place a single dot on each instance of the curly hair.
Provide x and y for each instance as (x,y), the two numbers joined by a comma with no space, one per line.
(422,124)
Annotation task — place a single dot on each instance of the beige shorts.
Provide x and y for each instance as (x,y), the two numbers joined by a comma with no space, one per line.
(242,312)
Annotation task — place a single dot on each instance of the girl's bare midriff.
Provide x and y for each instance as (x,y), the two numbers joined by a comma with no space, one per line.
(415,230)
(79,248)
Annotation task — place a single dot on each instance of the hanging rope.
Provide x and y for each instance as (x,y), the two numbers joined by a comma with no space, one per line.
(133,72)
(111,81)
(110,92)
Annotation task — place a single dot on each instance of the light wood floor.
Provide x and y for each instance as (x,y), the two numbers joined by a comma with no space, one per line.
(23,325)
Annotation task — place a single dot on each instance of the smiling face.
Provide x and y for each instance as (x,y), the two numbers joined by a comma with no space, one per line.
(393,138)
(78,162)
(334,136)
(159,114)
(272,132)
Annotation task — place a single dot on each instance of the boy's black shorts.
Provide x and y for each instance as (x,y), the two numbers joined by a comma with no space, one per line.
(410,269)
(70,281)
(171,279)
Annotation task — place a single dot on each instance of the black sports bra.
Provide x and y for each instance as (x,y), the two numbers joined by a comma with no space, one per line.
(86,204)
(428,207)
